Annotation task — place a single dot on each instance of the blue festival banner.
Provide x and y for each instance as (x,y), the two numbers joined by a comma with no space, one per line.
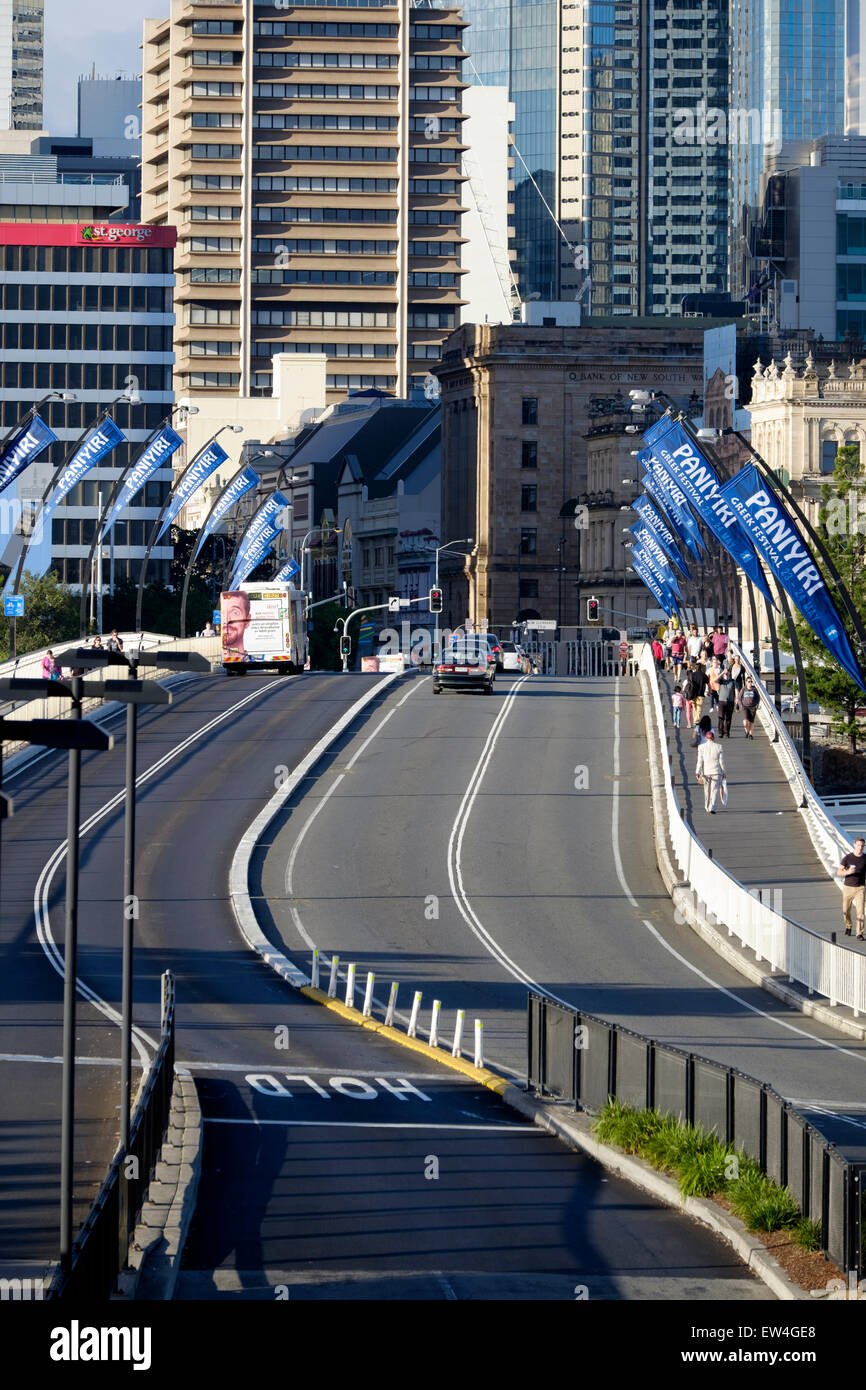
(666,601)
(763,517)
(658,481)
(289,570)
(153,457)
(646,538)
(236,489)
(662,575)
(696,477)
(660,529)
(254,557)
(26,446)
(100,441)
(191,480)
(262,524)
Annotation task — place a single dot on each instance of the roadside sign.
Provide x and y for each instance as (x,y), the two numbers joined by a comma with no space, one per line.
(541,624)
(13,606)
(623,650)
(217,617)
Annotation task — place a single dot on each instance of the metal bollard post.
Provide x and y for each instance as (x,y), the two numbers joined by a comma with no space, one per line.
(332,983)
(350,987)
(433,1037)
(315,967)
(392,1004)
(457,1045)
(368,994)
(413,1017)
(479,1043)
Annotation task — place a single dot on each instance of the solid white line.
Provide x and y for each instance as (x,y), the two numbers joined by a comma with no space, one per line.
(79,1061)
(259,1068)
(54,955)
(455,851)
(371,1124)
(707,979)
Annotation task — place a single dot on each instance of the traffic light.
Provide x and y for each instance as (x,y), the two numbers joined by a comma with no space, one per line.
(592,610)
(435,600)
(345,646)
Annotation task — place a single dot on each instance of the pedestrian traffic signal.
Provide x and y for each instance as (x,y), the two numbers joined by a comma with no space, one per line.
(435,600)
(345,646)
(592,610)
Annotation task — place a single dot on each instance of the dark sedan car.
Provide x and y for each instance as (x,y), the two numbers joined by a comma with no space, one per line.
(466,665)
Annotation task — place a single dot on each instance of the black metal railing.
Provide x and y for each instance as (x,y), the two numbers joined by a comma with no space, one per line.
(101,1249)
(585,1059)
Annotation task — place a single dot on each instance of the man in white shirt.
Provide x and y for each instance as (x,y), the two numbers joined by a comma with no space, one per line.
(694,643)
(710,770)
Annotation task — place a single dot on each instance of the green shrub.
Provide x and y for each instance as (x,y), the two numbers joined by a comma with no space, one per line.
(759,1203)
(702,1173)
(807,1234)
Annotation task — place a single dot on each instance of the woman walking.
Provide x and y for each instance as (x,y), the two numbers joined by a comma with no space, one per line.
(749,702)
(727,700)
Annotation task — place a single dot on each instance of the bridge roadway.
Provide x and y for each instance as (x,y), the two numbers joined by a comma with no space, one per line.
(338,1163)
(471,847)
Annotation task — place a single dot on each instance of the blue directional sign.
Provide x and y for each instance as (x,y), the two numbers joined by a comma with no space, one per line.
(13,606)
(217,617)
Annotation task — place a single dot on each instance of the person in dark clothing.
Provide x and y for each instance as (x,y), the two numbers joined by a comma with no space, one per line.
(702,728)
(698,682)
(749,702)
(727,702)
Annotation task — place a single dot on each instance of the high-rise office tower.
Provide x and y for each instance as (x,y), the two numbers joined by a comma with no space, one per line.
(310,159)
(794,77)
(21,59)
(611,207)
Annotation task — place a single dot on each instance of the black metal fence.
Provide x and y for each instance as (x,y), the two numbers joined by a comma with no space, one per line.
(586,1060)
(102,1247)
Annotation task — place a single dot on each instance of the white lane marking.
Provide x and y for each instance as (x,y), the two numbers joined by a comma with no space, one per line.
(79,1061)
(445,1286)
(455,853)
(257,1067)
(832,1114)
(54,955)
(371,1124)
(695,970)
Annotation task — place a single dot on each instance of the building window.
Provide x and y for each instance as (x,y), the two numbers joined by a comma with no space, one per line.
(528,588)
(366,557)
(379,555)
(829,448)
(530,414)
(529,499)
(527,542)
(529,453)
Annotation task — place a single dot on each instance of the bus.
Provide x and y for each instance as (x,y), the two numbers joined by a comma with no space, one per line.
(263,629)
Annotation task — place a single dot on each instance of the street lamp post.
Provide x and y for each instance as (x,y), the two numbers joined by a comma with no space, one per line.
(466,540)
(247,463)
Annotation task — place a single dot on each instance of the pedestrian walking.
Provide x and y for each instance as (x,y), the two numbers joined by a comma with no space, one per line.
(720,643)
(687,696)
(707,645)
(678,650)
(714,673)
(114,643)
(693,643)
(749,702)
(727,692)
(711,771)
(658,653)
(702,728)
(698,681)
(51,670)
(677,703)
(853,867)
(96,645)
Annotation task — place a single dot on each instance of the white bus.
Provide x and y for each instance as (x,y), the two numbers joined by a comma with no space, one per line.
(263,629)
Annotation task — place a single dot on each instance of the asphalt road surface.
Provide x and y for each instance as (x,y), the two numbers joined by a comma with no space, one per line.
(329,1206)
(472,846)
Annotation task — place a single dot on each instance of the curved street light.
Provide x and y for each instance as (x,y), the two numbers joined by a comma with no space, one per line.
(246,463)
(155,529)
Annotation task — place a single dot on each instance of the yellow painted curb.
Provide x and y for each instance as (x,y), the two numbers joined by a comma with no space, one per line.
(482,1075)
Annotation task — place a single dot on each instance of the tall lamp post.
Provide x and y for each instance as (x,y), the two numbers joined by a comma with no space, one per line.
(247,463)
(155,529)
(467,540)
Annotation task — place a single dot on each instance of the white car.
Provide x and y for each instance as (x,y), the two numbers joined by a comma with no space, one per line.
(513,657)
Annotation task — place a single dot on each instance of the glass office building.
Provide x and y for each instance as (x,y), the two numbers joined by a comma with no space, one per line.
(515,44)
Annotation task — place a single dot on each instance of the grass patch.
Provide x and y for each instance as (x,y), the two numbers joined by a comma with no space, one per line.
(704,1166)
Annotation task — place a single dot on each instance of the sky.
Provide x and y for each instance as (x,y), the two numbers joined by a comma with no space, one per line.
(104,32)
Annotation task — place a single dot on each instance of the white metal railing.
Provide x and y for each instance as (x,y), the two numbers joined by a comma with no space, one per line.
(58,707)
(827,835)
(823,966)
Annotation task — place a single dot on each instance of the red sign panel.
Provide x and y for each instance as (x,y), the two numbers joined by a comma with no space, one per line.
(85,234)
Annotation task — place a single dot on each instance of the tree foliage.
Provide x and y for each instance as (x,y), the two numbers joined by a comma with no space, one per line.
(842,526)
(50,616)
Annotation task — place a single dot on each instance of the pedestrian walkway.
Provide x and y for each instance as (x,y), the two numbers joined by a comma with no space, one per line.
(760,838)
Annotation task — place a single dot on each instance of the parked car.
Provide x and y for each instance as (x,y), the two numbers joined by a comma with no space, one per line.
(469,664)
